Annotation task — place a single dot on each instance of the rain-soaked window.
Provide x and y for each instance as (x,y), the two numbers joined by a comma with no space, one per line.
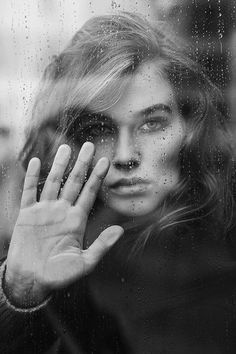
(118,176)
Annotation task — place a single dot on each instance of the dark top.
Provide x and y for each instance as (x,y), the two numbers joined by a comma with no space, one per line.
(177,295)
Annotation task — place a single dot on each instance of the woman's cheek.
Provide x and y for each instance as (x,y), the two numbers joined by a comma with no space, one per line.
(171,144)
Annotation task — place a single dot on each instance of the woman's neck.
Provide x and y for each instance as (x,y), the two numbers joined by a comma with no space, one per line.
(103,217)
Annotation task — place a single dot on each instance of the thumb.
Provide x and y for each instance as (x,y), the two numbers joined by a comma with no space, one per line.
(102,244)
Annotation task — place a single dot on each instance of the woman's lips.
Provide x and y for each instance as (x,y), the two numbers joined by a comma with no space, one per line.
(130,186)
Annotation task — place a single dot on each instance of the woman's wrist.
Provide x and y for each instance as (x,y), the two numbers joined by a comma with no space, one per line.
(22,292)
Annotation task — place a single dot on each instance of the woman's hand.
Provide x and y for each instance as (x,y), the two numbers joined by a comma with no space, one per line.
(46,250)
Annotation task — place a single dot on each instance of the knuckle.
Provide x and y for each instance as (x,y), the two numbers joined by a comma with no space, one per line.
(90,260)
(93,188)
(84,164)
(53,178)
(30,183)
(58,165)
(29,188)
(97,176)
(77,177)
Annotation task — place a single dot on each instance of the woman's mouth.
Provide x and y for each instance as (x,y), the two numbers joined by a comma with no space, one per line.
(129,186)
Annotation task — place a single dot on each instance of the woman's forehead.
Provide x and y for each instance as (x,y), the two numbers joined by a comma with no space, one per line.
(129,93)
(146,88)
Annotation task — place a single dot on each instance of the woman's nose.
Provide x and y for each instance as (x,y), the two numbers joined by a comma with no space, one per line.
(126,155)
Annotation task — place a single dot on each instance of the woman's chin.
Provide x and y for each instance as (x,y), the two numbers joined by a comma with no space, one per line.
(132,209)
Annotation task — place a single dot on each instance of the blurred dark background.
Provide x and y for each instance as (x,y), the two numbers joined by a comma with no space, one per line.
(209,25)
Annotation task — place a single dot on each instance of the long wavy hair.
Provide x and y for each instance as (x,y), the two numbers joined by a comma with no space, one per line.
(85,78)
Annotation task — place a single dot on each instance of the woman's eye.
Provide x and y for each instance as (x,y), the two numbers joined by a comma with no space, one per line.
(152,125)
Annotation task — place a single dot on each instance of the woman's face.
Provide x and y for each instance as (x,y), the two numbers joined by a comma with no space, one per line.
(141,135)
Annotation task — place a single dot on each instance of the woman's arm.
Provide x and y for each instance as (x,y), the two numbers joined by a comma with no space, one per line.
(20,327)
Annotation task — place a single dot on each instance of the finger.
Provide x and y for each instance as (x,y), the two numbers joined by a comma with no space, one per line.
(77,176)
(30,184)
(91,188)
(54,179)
(101,245)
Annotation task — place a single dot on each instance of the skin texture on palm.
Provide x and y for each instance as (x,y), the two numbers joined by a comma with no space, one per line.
(46,248)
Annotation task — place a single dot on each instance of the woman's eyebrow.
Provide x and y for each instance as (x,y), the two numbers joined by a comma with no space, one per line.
(156,107)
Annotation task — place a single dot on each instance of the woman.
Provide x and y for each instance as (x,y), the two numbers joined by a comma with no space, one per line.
(153,179)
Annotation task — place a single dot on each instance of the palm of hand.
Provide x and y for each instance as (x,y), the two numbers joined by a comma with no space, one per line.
(46,249)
